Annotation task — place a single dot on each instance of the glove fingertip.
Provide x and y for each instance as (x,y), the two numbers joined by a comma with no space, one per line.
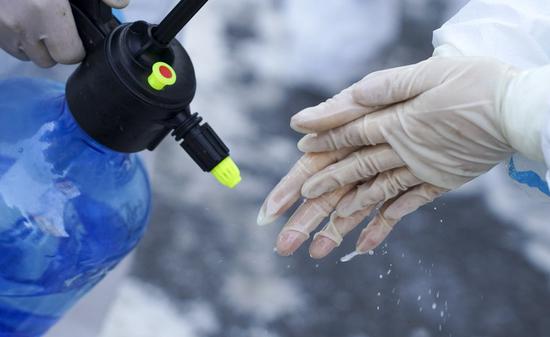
(300,124)
(348,208)
(304,145)
(308,191)
(344,208)
(263,219)
(321,247)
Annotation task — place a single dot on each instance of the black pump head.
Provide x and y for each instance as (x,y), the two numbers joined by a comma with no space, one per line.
(136,84)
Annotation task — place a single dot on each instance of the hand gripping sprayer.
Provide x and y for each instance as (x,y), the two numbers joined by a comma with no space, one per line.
(136,84)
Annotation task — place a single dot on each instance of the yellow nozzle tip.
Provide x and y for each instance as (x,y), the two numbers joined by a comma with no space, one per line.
(227,173)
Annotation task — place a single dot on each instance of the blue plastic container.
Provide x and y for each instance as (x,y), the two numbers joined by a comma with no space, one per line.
(70,209)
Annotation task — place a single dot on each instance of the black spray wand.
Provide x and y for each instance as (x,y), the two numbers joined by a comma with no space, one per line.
(178,18)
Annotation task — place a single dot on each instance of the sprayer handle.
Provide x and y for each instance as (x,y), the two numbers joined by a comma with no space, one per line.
(94,20)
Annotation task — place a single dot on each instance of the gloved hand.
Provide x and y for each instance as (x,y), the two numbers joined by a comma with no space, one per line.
(42,31)
(406,136)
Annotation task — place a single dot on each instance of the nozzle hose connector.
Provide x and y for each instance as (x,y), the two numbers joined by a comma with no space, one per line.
(206,148)
(174,22)
(201,143)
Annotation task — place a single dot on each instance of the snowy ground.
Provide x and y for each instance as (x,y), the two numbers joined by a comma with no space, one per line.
(475,263)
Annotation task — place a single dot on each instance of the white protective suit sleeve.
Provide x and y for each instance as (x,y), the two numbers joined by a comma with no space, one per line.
(515,32)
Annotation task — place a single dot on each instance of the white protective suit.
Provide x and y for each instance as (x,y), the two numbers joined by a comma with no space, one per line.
(516,32)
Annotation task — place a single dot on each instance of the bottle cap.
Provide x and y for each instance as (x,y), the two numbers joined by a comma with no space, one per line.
(162,75)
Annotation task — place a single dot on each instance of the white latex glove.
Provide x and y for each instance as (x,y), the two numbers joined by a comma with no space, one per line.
(43,31)
(413,133)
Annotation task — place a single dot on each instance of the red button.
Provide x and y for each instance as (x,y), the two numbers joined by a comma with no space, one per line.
(165,71)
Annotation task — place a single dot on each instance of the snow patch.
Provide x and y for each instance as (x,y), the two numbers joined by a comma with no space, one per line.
(330,40)
(142,310)
(266,298)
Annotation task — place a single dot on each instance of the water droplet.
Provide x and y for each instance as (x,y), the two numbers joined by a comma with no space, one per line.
(419,298)
(349,257)
(434,306)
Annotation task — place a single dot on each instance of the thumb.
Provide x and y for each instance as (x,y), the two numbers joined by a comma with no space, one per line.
(397,85)
(376,91)
(335,112)
(116,3)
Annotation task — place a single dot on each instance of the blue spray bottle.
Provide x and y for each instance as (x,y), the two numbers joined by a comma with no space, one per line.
(74,198)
